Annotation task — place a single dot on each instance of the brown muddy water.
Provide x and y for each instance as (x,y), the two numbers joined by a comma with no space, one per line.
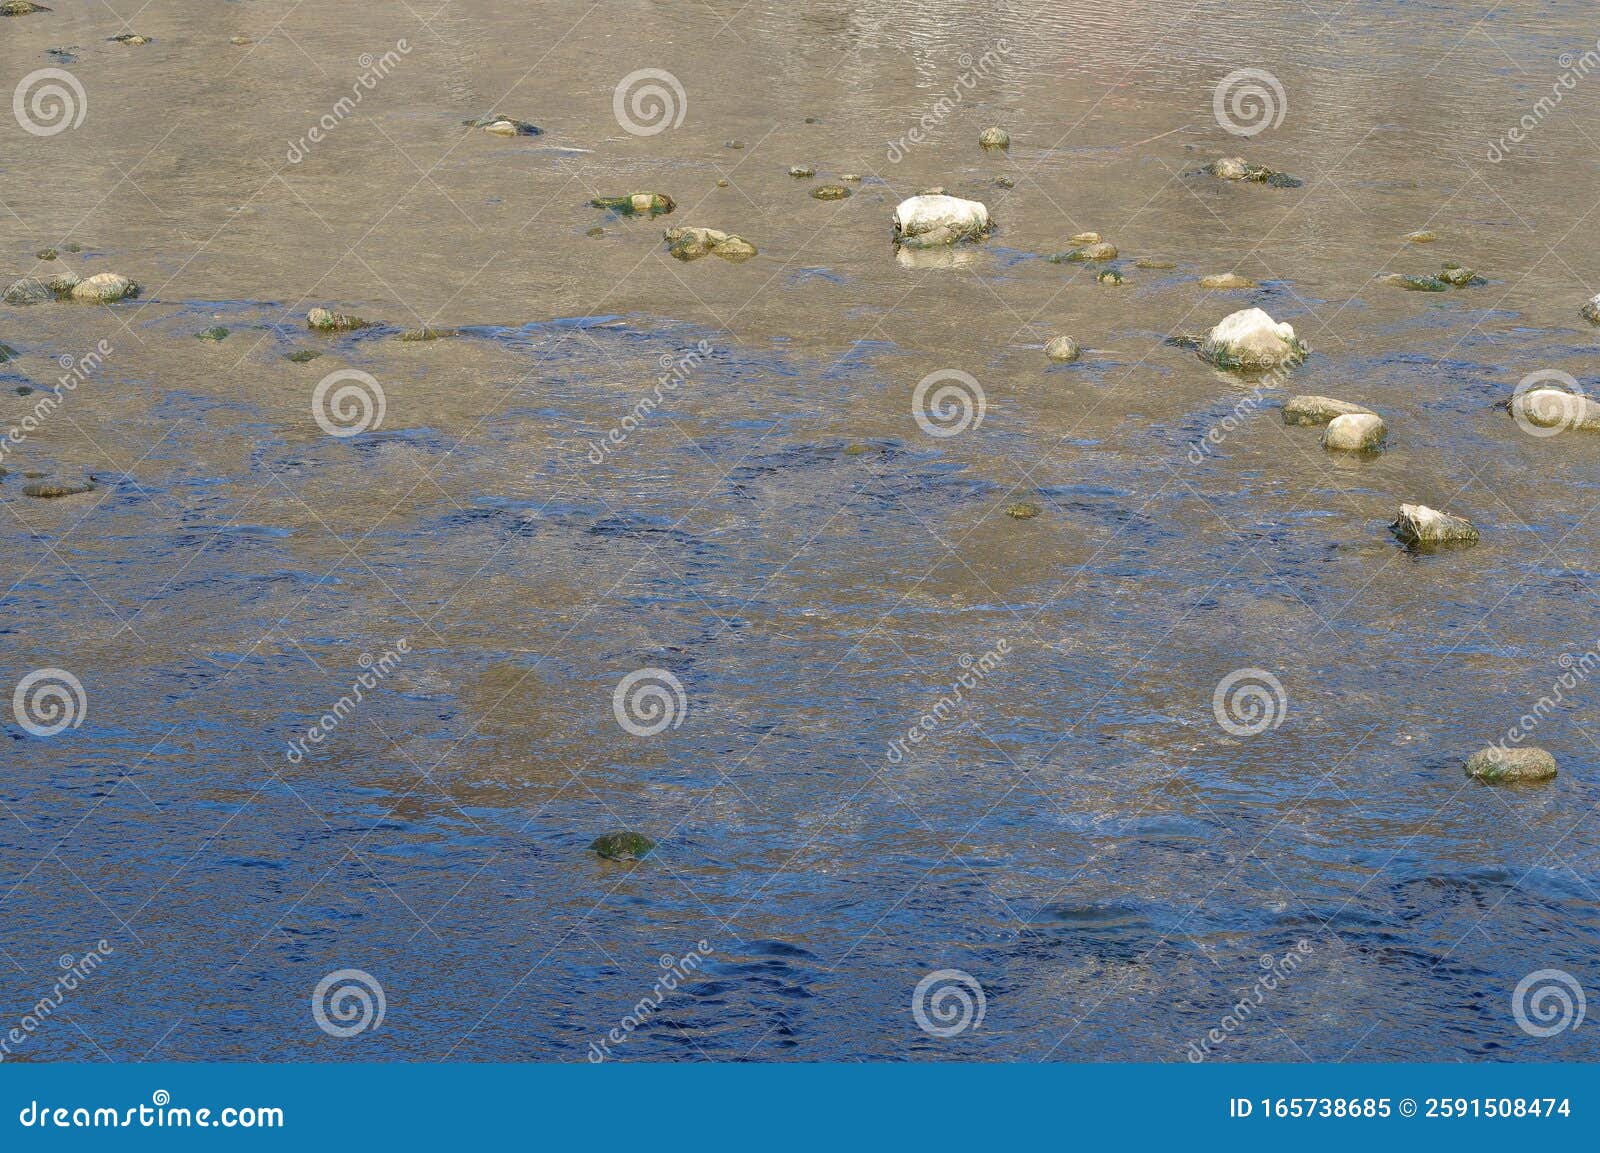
(807,570)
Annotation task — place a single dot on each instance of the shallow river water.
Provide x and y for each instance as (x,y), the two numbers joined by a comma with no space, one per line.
(813,570)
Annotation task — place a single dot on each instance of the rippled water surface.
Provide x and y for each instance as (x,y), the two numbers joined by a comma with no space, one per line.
(813,568)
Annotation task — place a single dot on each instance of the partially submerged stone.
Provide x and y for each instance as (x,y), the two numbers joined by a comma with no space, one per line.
(104,288)
(1023,510)
(1355,432)
(1004,182)
(994,138)
(240,41)
(1154,264)
(46,254)
(688,243)
(63,283)
(1252,341)
(1591,310)
(20,8)
(302,355)
(496,125)
(1226,280)
(428,332)
(830,192)
(216,333)
(1095,250)
(28,290)
(1423,237)
(1555,408)
(7,353)
(1419,525)
(1312,410)
(1516,766)
(934,219)
(1109,276)
(1062,348)
(802,171)
(1416,283)
(1084,238)
(132,38)
(52,489)
(637,204)
(622,846)
(1459,277)
(326,320)
(1237,168)
(850,177)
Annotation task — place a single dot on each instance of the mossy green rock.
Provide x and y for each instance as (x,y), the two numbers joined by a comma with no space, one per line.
(1458,277)
(46,254)
(51,489)
(1023,510)
(28,290)
(689,243)
(1110,276)
(1416,283)
(20,8)
(105,288)
(636,204)
(994,138)
(7,353)
(1154,265)
(1098,250)
(802,171)
(427,332)
(622,846)
(1499,766)
(216,333)
(1237,169)
(302,355)
(830,192)
(326,320)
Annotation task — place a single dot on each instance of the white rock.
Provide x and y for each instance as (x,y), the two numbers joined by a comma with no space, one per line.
(103,288)
(1419,524)
(938,219)
(1355,432)
(1250,338)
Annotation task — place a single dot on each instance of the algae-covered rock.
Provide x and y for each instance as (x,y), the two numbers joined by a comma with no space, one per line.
(1226,280)
(428,332)
(496,125)
(7,353)
(1515,766)
(1062,348)
(131,38)
(1237,169)
(830,192)
(1591,310)
(1252,341)
(637,204)
(1110,276)
(1419,525)
(1424,236)
(216,333)
(302,355)
(28,290)
(1355,432)
(1313,410)
(52,489)
(1004,182)
(1023,510)
(802,171)
(105,288)
(933,220)
(46,254)
(994,138)
(63,283)
(622,846)
(326,320)
(1458,277)
(1085,238)
(20,8)
(1416,283)
(1154,264)
(688,243)
(1096,250)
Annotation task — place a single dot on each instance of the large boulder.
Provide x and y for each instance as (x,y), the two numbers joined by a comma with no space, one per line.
(932,220)
(1251,340)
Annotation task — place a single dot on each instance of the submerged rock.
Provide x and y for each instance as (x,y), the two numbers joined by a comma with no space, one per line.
(850,177)
(1253,341)
(622,846)
(1355,432)
(1236,168)
(104,288)
(1109,276)
(28,290)
(1062,348)
(20,8)
(7,352)
(1311,410)
(1004,182)
(1416,283)
(1458,277)
(1555,408)
(802,171)
(1084,238)
(302,355)
(994,138)
(1501,766)
(933,220)
(1023,510)
(1153,264)
(1423,237)
(497,125)
(428,332)
(326,320)
(63,283)
(686,243)
(636,204)
(51,489)
(46,254)
(1227,280)
(830,192)
(215,333)
(132,38)
(1418,524)
(1095,250)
